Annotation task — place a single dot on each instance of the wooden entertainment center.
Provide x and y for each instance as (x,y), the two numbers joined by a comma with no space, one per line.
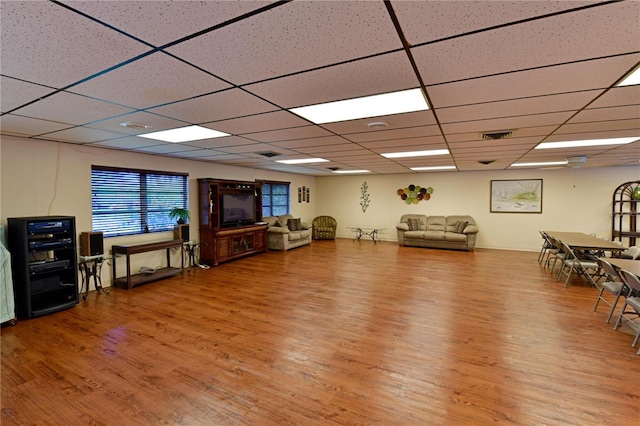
(222,239)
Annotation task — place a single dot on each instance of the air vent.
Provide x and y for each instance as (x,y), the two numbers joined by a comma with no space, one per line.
(333,169)
(494,136)
(134,125)
(576,161)
(486,162)
(269,154)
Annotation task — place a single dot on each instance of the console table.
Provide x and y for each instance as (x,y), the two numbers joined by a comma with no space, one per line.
(131,280)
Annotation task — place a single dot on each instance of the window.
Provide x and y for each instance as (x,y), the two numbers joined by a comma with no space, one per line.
(129,202)
(275,198)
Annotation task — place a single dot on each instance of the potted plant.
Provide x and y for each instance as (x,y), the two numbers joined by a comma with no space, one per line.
(181,215)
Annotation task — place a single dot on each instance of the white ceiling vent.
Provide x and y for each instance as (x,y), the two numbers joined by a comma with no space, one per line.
(576,161)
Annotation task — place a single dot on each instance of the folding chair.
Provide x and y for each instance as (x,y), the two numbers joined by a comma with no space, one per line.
(577,263)
(632,301)
(611,284)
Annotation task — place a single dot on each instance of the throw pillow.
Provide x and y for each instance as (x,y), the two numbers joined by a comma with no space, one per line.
(414,224)
(294,224)
(460,225)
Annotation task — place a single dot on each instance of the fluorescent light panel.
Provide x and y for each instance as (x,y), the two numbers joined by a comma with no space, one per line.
(351,171)
(586,142)
(368,106)
(416,153)
(184,134)
(546,163)
(302,161)
(631,79)
(424,169)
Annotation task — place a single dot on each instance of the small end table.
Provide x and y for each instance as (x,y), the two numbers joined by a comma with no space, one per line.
(91,266)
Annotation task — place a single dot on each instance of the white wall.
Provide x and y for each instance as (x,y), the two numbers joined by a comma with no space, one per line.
(573,200)
(40,178)
(49,178)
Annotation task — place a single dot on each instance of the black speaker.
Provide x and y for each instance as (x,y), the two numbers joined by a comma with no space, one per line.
(91,243)
(181,232)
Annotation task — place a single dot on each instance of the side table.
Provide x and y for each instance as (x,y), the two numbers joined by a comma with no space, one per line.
(91,266)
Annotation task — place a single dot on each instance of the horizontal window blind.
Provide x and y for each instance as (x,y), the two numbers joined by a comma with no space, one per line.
(128,202)
(275,198)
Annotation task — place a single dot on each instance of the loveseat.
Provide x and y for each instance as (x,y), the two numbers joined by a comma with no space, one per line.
(286,232)
(445,232)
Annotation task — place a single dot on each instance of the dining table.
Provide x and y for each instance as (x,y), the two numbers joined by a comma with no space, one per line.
(630,265)
(581,241)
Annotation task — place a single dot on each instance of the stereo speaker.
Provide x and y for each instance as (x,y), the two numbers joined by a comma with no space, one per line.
(91,243)
(181,232)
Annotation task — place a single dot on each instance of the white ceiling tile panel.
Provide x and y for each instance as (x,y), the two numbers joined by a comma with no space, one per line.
(149,82)
(409,144)
(424,21)
(259,123)
(217,143)
(394,134)
(166,148)
(292,38)
(566,38)
(345,81)
(590,75)
(395,121)
(81,133)
(156,123)
(518,107)
(128,143)
(633,125)
(27,126)
(218,106)
(165,21)
(288,134)
(73,109)
(60,46)
(607,114)
(16,93)
(326,141)
(627,95)
(508,123)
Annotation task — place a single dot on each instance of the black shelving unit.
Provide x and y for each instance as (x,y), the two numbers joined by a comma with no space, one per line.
(625,213)
(44,264)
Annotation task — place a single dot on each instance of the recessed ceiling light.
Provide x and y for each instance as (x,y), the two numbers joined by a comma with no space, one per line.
(424,169)
(416,153)
(631,79)
(351,171)
(586,142)
(369,106)
(184,134)
(545,163)
(302,161)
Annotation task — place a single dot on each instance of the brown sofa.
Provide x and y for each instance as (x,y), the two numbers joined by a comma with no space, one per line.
(445,232)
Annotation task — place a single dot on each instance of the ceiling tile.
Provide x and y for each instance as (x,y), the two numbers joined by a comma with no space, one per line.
(218,106)
(16,93)
(27,126)
(58,44)
(295,37)
(289,134)
(149,82)
(73,109)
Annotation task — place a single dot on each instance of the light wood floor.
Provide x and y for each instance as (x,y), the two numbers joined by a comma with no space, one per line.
(339,332)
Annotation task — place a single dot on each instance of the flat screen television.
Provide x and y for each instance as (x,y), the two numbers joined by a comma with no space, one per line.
(238,209)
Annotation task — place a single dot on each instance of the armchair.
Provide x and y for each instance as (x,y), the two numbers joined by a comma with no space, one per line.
(324,228)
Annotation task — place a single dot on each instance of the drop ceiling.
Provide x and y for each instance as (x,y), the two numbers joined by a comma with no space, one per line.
(73,71)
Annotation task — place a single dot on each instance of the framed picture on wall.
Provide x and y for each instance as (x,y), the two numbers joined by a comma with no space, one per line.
(516,196)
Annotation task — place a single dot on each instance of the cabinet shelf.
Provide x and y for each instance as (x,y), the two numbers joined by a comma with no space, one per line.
(225,243)
(624,226)
(44,264)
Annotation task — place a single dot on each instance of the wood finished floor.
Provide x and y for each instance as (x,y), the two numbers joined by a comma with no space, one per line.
(338,333)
